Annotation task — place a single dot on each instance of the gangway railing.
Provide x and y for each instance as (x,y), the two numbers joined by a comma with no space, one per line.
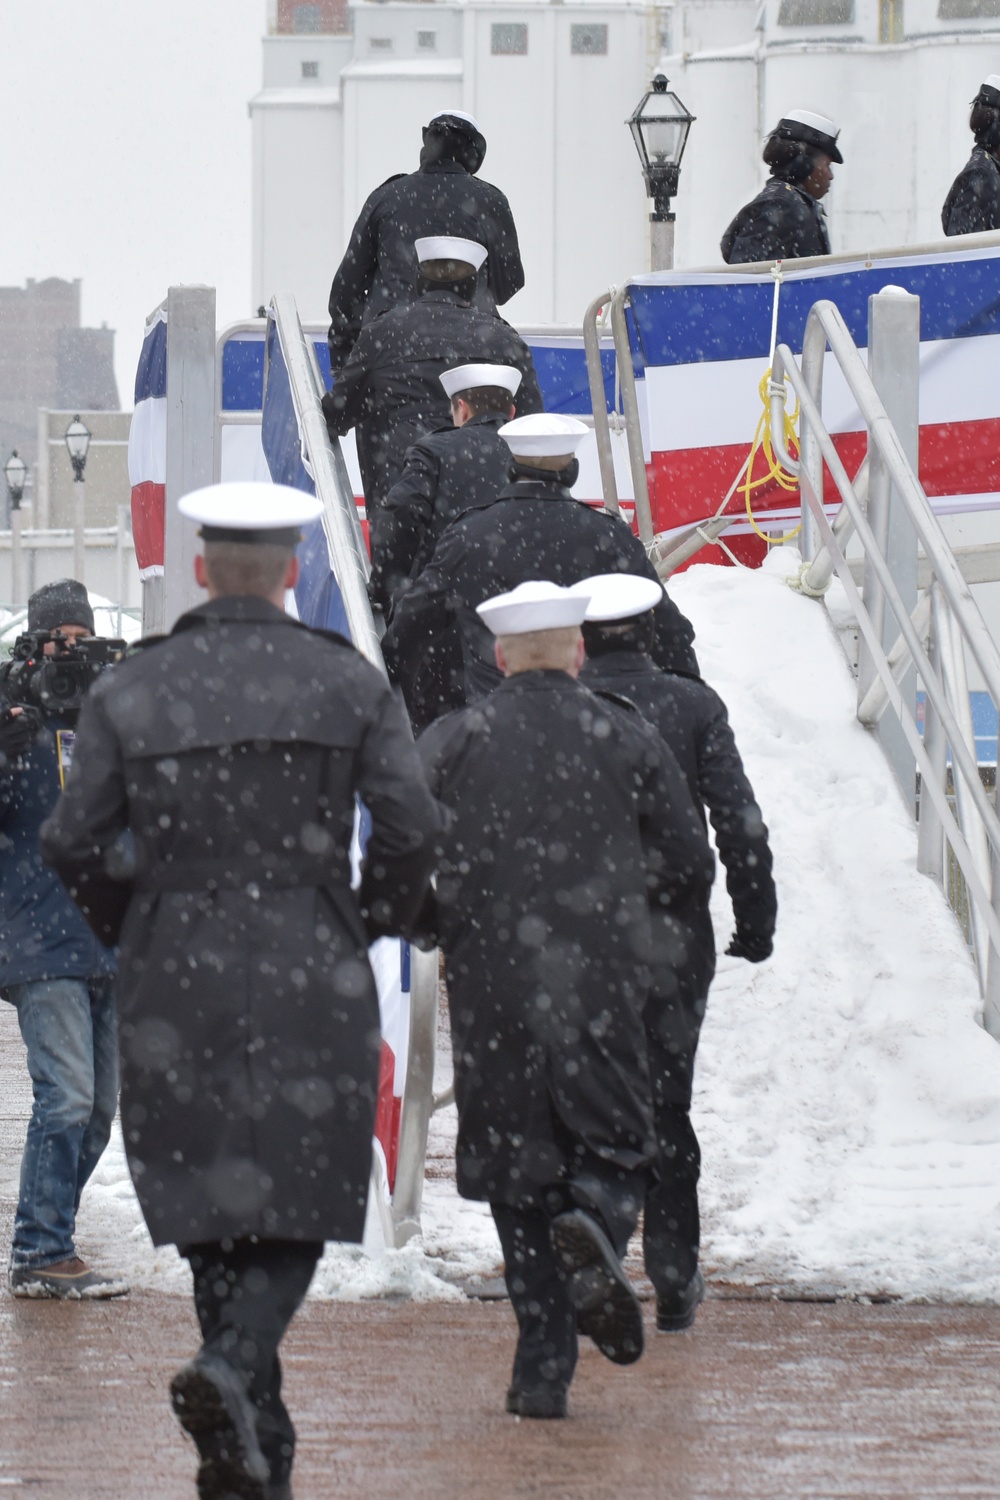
(324,462)
(931,635)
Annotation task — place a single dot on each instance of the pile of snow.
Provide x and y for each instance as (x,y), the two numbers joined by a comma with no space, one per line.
(847,1101)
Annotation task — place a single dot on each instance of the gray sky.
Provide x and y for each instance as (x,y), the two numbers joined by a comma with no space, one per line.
(126,157)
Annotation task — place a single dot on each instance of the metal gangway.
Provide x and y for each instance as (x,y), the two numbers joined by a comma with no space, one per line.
(348,559)
(917,621)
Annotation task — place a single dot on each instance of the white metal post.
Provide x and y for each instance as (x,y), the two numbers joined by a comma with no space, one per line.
(16,557)
(894,364)
(79,529)
(991,998)
(661,243)
(120,584)
(190,436)
(418,1101)
(930,832)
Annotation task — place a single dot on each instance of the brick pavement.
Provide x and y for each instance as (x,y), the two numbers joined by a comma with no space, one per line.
(762,1401)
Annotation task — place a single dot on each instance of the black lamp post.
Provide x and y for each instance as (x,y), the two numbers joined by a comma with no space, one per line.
(15,472)
(78,442)
(659,125)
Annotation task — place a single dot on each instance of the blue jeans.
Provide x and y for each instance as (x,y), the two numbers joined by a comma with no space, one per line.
(70,1029)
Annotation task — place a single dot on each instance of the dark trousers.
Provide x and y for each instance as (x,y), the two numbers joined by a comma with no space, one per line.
(245,1297)
(546,1318)
(671,1223)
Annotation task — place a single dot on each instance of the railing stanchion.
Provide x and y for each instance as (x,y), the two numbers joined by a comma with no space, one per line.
(930,831)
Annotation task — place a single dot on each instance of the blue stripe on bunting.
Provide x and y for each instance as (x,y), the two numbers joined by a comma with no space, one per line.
(151,374)
(682,324)
(317,596)
(562,374)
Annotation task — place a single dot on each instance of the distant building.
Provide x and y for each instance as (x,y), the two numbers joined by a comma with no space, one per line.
(551,85)
(48,360)
(896,75)
(293,18)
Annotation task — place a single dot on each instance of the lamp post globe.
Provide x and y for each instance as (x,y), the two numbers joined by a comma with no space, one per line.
(78,442)
(16,473)
(660,124)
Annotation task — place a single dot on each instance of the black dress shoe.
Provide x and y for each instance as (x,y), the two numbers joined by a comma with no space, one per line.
(607,1308)
(211,1403)
(543,1401)
(676,1311)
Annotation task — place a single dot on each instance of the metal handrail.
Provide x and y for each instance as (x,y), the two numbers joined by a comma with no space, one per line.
(349,561)
(933,639)
(348,558)
(598,401)
(630,408)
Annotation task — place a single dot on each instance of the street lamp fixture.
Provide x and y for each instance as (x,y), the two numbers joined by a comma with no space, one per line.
(15,472)
(78,442)
(659,125)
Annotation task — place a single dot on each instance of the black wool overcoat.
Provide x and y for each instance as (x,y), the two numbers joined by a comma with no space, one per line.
(783,222)
(567,819)
(446,474)
(973,202)
(390,390)
(692,719)
(206,826)
(379,268)
(535,529)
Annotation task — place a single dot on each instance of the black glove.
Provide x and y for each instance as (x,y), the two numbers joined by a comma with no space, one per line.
(333,412)
(750,946)
(17,732)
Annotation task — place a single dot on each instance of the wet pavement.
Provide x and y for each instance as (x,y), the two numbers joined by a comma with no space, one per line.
(762,1400)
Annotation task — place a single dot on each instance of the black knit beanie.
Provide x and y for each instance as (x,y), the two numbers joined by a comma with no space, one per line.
(64,602)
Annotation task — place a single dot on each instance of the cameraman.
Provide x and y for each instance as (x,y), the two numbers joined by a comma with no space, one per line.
(53,971)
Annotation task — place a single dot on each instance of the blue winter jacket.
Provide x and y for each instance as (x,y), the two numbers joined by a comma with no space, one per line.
(42,934)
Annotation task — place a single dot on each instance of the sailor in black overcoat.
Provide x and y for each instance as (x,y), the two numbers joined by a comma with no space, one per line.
(206,827)
(568,818)
(444,196)
(692,720)
(786,220)
(973,202)
(460,467)
(534,529)
(390,389)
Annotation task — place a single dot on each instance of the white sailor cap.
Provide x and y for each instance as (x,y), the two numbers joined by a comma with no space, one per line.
(537,605)
(447,247)
(814,130)
(457,114)
(618,596)
(543,434)
(989,91)
(468,377)
(247,512)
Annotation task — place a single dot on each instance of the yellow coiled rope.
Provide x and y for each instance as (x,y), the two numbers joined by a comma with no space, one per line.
(775,473)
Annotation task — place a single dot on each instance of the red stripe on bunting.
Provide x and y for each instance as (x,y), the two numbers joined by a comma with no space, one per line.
(387,1112)
(687,484)
(148,501)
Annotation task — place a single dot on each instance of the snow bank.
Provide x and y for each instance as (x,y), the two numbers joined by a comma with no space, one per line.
(847,1102)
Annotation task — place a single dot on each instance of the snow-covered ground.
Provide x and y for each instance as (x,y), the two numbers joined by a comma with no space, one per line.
(847,1102)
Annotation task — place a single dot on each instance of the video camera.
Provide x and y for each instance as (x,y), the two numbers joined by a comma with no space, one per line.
(56,684)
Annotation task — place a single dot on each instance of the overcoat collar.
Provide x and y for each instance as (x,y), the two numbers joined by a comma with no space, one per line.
(242,608)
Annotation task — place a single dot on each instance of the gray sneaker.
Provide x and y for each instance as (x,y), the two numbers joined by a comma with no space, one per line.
(67,1280)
